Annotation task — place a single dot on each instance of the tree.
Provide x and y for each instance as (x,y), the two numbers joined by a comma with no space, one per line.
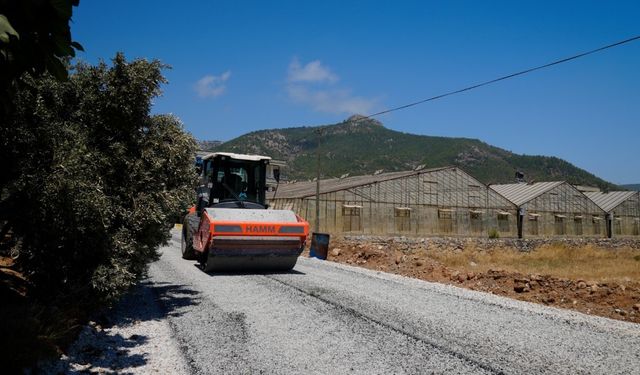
(35,37)
(93,177)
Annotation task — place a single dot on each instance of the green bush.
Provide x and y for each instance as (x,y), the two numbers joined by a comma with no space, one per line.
(493,233)
(90,178)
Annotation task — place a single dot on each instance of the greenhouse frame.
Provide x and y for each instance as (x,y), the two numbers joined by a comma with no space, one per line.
(623,211)
(427,202)
(553,209)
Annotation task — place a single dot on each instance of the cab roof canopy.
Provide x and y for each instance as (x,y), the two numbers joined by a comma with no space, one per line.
(236,156)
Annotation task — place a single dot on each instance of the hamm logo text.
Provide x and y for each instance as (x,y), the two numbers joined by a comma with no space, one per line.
(260,229)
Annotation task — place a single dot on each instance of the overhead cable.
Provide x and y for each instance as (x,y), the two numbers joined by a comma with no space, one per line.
(499,79)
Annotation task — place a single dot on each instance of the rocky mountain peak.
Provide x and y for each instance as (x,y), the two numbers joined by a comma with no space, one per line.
(362,120)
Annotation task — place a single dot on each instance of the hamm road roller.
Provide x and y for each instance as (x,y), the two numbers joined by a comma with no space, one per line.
(231,229)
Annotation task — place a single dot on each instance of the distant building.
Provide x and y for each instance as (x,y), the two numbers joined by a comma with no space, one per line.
(623,211)
(428,202)
(548,209)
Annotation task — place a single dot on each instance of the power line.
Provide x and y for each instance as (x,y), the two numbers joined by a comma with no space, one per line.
(499,79)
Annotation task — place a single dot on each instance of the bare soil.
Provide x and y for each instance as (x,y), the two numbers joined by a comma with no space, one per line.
(611,298)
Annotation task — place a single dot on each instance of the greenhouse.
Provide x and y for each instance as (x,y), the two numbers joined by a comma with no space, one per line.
(427,202)
(623,211)
(553,209)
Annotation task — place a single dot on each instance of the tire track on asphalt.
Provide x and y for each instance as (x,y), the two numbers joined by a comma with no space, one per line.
(232,340)
(391,327)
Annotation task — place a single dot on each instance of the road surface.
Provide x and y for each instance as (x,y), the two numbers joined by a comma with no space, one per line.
(327,318)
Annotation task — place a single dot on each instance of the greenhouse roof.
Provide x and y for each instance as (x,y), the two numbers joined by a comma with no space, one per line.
(609,201)
(308,188)
(522,193)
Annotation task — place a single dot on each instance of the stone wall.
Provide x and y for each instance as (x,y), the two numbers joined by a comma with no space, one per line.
(457,243)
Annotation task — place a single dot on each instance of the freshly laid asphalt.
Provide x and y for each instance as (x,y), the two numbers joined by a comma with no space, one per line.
(327,318)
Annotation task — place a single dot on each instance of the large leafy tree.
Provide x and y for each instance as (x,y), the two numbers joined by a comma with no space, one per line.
(93,178)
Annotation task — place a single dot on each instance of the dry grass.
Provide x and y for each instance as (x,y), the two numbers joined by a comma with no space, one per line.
(587,263)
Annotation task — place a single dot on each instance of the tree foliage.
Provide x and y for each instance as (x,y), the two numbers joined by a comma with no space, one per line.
(35,37)
(90,179)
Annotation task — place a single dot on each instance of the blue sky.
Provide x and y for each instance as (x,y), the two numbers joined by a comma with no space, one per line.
(239,66)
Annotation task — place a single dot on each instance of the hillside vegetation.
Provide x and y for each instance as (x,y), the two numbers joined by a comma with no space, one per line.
(358,146)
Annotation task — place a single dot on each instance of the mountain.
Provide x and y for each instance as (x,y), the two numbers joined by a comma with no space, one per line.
(631,187)
(363,146)
(208,145)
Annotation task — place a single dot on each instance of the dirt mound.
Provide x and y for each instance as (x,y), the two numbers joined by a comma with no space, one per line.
(617,300)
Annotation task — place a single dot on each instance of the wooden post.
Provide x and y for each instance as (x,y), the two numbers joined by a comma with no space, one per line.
(317,223)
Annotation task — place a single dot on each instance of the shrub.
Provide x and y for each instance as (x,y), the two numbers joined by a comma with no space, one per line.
(92,178)
(493,233)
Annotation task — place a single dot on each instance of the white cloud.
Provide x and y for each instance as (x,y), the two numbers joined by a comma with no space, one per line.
(335,101)
(211,86)
(313,71)
(314,84)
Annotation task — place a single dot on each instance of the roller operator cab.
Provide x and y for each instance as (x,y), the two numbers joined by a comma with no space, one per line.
(230,227)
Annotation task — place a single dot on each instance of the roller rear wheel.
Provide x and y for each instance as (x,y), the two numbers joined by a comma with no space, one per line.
(189,227)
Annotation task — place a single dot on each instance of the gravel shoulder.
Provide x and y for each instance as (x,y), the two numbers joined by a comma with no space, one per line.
(133,338)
